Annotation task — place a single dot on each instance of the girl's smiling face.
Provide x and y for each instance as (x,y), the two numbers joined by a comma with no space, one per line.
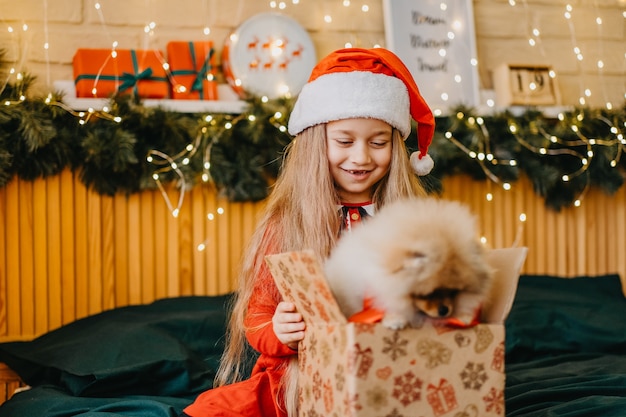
(359,155)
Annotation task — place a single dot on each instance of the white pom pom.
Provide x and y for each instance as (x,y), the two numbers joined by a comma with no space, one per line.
(421,166)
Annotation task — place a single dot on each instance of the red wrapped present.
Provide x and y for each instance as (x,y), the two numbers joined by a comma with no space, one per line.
(103,73)
(441,397)
(193,70)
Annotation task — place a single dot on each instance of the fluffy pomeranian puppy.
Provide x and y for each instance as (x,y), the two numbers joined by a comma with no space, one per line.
(415,258)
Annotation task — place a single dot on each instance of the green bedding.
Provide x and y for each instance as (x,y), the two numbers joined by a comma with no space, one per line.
(565,355)
(566,348)
(52,401)
(147,360)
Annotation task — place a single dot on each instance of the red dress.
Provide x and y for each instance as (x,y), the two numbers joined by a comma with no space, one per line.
(256,396)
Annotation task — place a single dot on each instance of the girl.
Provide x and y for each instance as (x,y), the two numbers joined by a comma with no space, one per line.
(348,159)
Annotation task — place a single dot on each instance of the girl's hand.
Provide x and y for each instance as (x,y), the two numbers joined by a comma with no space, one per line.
(288,324)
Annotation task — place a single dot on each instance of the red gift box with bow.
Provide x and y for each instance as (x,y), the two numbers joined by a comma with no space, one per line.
(104,73)
(192,65)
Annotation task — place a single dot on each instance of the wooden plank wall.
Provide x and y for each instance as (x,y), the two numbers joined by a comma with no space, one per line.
(9,383)
(67,252)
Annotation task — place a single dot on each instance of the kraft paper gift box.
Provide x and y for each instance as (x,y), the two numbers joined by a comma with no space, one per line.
(97,73)
(192,65)
(367,370)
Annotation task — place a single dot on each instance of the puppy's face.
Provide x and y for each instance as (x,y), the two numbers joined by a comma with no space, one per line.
(438,304)
(437,275)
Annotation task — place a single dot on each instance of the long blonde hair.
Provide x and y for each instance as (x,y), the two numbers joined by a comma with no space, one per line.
(301,213)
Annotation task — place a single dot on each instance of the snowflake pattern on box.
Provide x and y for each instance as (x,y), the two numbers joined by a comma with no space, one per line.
(366,370)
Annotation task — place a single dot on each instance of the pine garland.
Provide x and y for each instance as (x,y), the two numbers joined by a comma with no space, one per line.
(40,137)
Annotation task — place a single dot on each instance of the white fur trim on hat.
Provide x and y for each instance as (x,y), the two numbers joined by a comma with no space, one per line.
(346,95)
(423,165)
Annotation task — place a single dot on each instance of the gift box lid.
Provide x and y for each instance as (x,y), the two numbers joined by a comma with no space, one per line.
(300,279)
(507,264)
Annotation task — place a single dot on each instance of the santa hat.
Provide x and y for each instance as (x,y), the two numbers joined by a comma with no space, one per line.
(372,83)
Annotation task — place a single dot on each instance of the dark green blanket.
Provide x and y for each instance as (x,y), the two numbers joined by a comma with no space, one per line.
(566,348)
(149,360)
(52,401)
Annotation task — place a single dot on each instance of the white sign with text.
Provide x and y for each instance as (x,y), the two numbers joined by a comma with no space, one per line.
(436,41)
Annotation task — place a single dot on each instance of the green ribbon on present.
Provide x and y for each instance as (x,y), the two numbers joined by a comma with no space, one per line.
(131,80)
(200,74)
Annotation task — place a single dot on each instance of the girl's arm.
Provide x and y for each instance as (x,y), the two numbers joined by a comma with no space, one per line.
(266,318)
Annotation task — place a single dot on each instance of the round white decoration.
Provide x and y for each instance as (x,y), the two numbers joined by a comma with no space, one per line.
(269,55)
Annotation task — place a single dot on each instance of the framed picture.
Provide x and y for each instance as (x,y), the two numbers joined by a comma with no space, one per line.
(436,41)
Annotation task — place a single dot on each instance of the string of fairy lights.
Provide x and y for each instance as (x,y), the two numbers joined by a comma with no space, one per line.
(534,40)
(167,164)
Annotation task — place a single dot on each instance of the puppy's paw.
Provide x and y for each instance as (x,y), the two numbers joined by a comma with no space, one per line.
(394,321)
